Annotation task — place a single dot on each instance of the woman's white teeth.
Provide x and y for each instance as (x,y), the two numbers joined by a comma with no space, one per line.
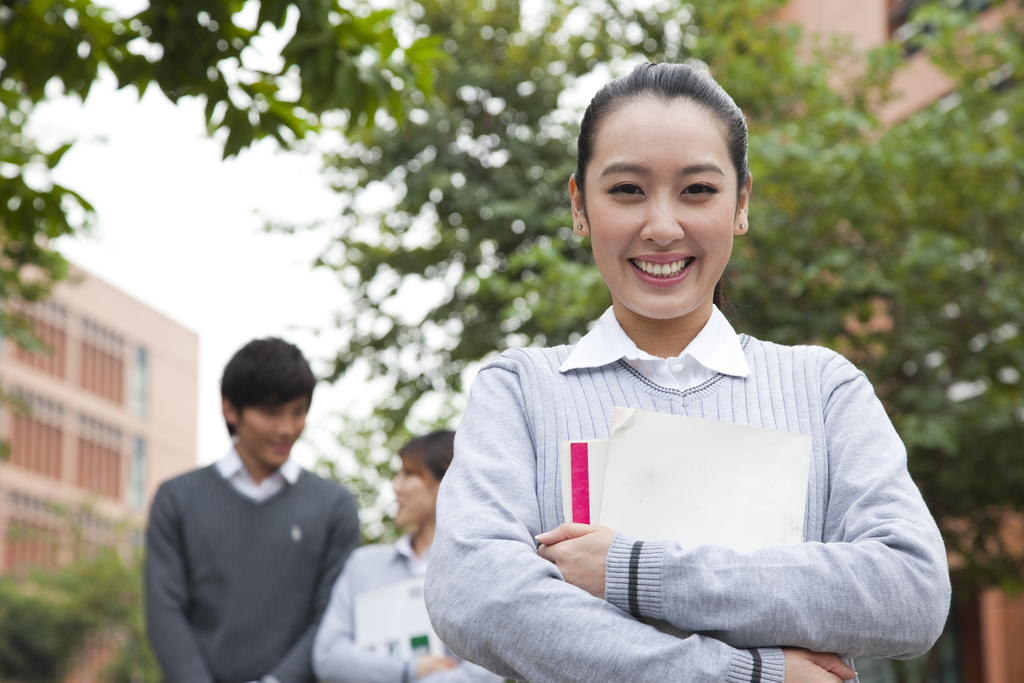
(660,269)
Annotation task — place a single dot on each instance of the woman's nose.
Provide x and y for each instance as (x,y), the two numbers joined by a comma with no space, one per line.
(662,225)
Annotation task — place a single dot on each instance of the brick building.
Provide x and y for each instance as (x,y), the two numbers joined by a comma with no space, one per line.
(111,413)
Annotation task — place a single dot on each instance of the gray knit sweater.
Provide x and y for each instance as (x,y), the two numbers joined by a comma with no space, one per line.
(234,588)
(870,580)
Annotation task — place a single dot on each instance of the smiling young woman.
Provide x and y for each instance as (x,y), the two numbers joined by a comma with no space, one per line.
(662,206)
(662,188)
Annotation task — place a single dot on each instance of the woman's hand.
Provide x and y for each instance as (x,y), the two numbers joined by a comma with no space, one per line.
(429,664)
(579,551)
(804,666)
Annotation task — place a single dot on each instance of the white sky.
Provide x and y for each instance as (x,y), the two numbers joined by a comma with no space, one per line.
(181,231)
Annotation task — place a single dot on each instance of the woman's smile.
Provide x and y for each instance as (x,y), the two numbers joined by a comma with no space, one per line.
(662,270)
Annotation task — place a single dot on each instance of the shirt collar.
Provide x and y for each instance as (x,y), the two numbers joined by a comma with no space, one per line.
(403,547)
(717,347)
(231,465)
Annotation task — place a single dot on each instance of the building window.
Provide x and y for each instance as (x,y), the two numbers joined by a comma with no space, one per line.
(99,458)
(33,534)
(137,475)
(48,322)
(140,382)
(102,362)
(30,544)
(94,531)
(37,435)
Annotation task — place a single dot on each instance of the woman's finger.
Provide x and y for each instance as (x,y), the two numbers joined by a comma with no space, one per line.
(833,664)
(564,532)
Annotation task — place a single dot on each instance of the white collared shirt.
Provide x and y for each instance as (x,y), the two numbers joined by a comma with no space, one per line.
(417,565)
(716,349)
(235,472)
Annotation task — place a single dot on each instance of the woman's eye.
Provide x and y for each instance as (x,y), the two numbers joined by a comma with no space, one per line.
(698,188)
(628,188)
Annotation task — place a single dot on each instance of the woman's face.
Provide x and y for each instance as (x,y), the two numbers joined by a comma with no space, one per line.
(416,493)
(661,208)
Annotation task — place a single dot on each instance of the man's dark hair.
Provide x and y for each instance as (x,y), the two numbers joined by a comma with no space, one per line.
(432,452)
(266,372)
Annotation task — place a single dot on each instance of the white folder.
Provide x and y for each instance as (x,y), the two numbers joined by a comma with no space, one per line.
(393,620)
(696,482)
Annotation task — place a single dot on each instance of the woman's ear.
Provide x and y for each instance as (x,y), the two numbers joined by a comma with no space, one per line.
(580,227)
(742,223)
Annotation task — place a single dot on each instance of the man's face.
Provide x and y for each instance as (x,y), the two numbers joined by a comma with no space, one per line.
(266,434)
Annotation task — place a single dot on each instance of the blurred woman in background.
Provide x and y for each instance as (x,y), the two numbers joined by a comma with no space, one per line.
(336,656)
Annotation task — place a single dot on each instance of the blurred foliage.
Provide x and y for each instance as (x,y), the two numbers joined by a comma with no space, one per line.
(48,616)
(33,210)
(903,249)
(371,467)
(367,475)
(341,57)
(900,247)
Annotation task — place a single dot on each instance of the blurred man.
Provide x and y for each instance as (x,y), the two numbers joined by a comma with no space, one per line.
(241,555)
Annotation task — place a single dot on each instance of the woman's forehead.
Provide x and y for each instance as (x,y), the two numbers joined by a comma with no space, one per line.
(652,129)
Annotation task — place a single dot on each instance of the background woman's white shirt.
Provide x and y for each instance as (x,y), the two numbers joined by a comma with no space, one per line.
(336,657)
(417,565)
(716,349)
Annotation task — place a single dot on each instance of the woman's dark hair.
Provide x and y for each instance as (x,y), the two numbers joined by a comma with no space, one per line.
(433,451)
(266,372)
(665,82)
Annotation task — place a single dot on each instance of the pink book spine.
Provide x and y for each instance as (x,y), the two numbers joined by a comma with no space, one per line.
(580,472)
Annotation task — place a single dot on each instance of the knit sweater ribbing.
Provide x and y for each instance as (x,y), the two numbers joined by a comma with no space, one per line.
(870,580)
(235,589)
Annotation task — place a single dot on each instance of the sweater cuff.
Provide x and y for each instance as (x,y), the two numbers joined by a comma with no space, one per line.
(632,576)
(763,665)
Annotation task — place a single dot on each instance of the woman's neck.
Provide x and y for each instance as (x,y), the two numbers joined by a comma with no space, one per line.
(423,538)
(663,338)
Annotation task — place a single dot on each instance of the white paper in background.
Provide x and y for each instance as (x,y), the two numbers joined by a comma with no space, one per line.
(393,620)
(700,482)
(597,459)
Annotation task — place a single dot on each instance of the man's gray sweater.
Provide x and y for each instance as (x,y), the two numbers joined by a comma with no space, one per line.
(870,580)
(234,588)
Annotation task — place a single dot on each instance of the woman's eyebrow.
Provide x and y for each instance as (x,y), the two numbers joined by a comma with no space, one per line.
(701,168)
(624,167)
(638,169)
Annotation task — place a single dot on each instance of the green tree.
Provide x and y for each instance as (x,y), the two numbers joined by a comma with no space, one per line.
(47,616)
(341,57)
(901,247)
(33,210)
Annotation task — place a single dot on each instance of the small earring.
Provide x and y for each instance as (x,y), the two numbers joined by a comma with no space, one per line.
(579,228)
(743,226)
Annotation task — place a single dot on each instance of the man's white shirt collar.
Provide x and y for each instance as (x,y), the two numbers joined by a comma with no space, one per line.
(716,349)
(235,472)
